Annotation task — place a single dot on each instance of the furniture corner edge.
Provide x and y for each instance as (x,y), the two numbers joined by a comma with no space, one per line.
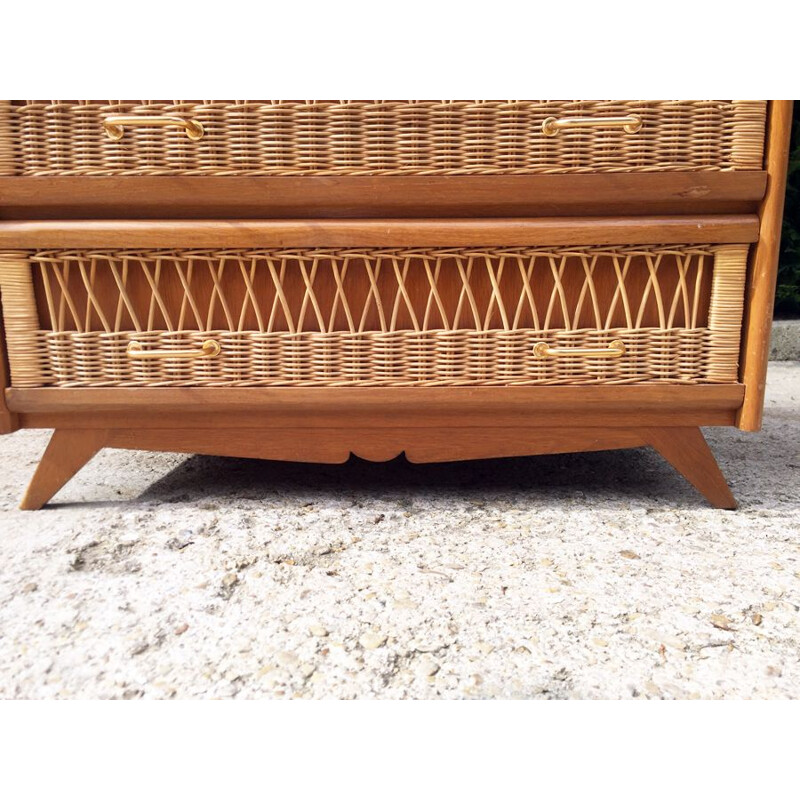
(762,274)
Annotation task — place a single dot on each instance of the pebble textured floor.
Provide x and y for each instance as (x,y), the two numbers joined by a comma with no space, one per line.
(580,576)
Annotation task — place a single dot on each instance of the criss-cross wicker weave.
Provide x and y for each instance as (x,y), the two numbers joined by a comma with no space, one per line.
(387,137)
(374,317)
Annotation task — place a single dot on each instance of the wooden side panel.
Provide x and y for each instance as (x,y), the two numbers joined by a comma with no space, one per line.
(760,291)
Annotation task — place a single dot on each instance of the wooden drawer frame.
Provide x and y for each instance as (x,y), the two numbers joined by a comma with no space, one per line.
(429,424)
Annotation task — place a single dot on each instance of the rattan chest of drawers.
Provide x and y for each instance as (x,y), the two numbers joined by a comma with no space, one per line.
(447,280)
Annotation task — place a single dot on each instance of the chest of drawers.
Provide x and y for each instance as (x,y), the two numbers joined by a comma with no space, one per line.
(448,280)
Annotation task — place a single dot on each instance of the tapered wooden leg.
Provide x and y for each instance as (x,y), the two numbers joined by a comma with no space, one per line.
(689,453)
(67,451)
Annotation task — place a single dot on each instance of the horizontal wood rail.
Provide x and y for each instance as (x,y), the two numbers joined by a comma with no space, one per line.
(533,406)
(391,232)
(201,197)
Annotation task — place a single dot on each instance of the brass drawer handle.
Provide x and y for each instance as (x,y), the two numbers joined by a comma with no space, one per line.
(630,124)
(614,350)
(114,126)
(208,349)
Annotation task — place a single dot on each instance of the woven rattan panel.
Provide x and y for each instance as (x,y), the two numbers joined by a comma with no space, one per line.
(381,137)
(382,317)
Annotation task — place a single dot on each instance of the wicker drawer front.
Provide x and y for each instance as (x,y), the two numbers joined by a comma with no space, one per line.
(378,138)
(374,317)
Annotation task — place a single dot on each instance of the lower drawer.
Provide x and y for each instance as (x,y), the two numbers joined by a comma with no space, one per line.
(374,316)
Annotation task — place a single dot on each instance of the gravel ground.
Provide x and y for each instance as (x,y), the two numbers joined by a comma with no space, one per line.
(785,343)
(580,576)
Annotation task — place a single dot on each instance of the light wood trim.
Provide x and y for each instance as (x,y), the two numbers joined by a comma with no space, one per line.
(616,406)
(737,229)
(243,197)
(760,290)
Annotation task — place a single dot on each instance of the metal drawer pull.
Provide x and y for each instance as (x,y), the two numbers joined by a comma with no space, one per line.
(630,124)
(208,349)
(114,126)
(614,350)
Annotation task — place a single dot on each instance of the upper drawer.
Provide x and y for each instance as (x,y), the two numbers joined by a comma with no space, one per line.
(421,137)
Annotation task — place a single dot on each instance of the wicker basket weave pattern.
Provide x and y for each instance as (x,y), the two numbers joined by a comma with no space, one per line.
(374,317)
(285,138)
